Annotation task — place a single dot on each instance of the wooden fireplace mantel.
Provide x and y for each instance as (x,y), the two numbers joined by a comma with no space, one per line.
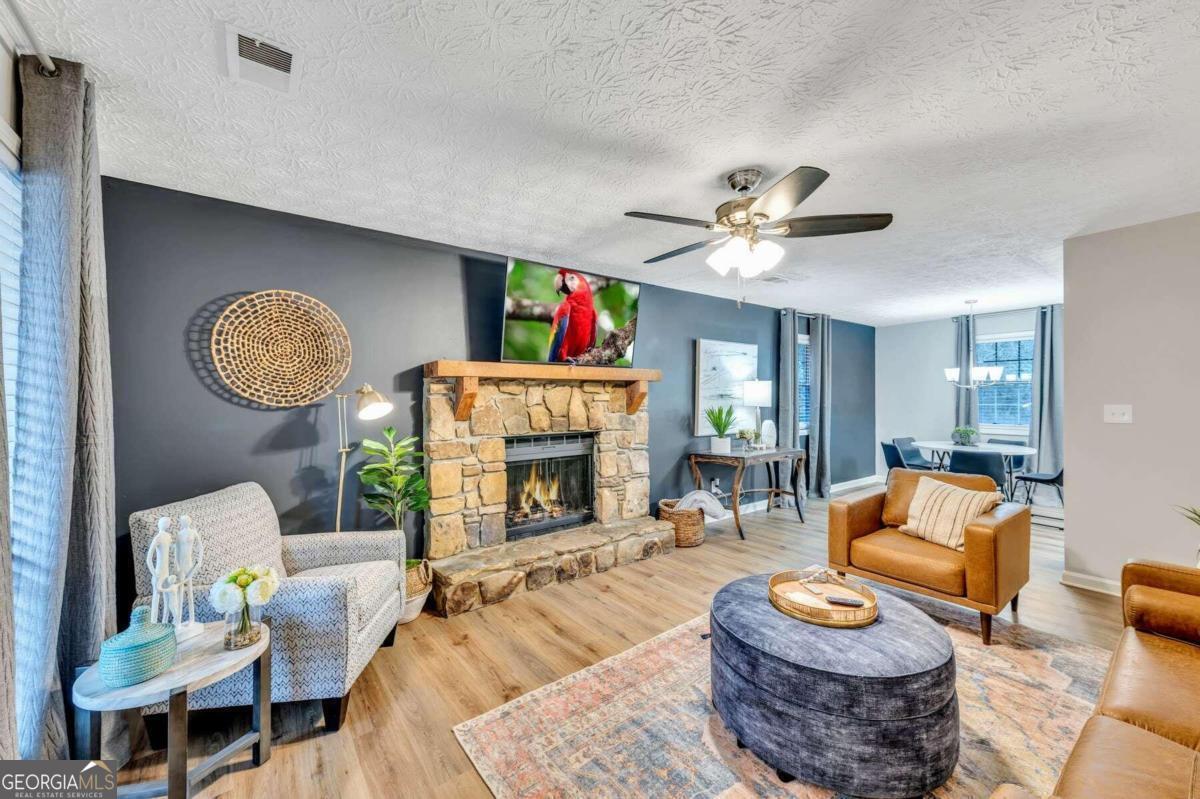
(466,376)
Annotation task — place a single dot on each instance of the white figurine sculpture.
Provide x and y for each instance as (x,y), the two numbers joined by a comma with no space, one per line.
(173,561)
(189,554)
(158,561)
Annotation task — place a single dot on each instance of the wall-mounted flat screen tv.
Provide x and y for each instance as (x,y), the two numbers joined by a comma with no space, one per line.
(561,315)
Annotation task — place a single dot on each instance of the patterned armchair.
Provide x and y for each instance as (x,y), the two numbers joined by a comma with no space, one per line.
(339,599)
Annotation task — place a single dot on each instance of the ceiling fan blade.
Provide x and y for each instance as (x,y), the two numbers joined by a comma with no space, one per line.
(790,191)
(675,220)
(689,248)
(832,225)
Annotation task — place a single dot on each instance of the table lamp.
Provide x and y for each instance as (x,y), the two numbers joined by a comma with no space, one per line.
(757,394)
(370,405)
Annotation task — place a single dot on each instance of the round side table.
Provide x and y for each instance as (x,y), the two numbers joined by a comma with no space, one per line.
(199,661)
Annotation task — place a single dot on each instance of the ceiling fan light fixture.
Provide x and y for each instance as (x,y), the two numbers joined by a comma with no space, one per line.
(748,259)
(728,256)
(747,217)
(764,256)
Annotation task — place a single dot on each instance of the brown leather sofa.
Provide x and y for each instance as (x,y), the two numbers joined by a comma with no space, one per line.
(864,540)
(1144,738)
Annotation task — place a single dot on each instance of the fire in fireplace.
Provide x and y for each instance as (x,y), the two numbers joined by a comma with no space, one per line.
(549,483)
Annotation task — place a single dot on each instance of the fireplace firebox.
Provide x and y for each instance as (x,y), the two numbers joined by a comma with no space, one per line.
(549,483)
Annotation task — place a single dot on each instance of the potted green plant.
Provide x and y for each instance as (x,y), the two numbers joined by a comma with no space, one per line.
(393,475)
(1192,515)
(721,419)
(964,436)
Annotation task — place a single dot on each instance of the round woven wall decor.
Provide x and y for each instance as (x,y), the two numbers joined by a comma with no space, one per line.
(281,348)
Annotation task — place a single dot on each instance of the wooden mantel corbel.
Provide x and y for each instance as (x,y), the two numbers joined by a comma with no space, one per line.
(466,376)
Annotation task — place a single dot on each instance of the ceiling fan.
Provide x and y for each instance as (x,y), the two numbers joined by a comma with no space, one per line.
(745,219)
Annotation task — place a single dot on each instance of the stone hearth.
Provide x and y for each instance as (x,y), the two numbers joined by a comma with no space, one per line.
(465,467)
(479,577)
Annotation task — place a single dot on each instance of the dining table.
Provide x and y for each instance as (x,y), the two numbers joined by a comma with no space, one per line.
(940,452)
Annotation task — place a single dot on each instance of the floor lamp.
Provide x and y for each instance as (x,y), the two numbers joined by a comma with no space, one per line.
(370,405)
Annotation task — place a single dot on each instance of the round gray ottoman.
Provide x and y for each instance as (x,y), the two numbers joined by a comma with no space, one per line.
(870,712)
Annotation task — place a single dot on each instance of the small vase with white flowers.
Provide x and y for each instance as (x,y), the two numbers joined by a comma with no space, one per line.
(240,595)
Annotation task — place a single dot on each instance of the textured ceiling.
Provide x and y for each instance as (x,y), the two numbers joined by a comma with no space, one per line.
(992,129)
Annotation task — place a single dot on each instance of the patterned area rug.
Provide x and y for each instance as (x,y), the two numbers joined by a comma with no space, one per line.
(640,724)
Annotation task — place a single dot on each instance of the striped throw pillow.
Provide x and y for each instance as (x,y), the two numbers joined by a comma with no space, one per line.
(940,512)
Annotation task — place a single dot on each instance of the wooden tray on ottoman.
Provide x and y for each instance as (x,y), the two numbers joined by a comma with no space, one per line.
(803,600)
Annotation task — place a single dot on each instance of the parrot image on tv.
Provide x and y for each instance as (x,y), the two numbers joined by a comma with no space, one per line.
(562,315)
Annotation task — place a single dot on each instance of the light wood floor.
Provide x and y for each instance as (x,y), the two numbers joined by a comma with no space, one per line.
(397,740)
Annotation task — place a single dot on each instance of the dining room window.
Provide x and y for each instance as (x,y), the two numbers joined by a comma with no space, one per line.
(1006,404)
(803,383)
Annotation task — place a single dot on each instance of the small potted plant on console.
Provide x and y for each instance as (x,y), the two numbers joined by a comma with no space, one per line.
(721,418)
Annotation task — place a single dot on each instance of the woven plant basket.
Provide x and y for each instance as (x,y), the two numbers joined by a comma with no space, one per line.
(689,523)
(417,579)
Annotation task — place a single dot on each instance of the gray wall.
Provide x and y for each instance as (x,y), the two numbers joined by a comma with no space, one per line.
(852,421)
(1130,338)
(175,259)
(912,397)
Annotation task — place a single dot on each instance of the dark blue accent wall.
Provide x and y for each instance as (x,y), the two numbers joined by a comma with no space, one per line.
(852,438)
(673,321)
(175,259)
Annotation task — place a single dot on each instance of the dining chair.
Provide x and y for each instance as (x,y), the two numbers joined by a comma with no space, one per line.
(911,455)
(1035,479)
(988,463)
(891,456)
(1015,462)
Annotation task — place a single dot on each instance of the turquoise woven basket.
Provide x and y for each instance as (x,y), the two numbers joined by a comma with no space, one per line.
(144,650)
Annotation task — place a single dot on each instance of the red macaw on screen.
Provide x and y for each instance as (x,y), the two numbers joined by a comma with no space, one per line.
(573,328)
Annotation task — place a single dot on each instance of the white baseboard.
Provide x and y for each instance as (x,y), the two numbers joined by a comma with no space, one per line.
(862,482)
(753,507)
(1090,582)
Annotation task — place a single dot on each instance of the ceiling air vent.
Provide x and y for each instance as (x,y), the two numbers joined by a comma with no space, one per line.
(254,59)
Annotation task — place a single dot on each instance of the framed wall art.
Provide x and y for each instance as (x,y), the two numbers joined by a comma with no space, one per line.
(721,369)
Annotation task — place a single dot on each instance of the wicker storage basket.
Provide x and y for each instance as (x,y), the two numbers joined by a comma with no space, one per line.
(417,579)
(689,523)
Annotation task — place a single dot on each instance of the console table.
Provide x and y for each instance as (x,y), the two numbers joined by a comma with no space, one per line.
(199,661)
(740,459)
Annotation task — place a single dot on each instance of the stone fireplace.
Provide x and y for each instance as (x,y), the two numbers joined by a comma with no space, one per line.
(549,483)
(534,480)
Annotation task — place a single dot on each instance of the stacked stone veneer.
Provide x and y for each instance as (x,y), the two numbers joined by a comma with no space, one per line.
(465,469)
(478,577)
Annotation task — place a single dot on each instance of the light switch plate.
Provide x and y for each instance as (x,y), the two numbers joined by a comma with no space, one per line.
(1118,414)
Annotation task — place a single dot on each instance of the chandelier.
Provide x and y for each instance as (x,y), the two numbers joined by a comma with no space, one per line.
(978,375)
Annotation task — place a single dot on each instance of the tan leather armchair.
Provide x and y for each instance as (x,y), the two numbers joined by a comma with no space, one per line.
(865,540)
(1144,736)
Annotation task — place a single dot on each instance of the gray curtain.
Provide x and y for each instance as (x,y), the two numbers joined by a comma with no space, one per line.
(789,330)
(820,386)
(788,391)
(966,401)
(1046,417)
(63,517)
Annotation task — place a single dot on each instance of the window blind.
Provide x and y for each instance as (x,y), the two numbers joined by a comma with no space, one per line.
(1009,402)
(803,391)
